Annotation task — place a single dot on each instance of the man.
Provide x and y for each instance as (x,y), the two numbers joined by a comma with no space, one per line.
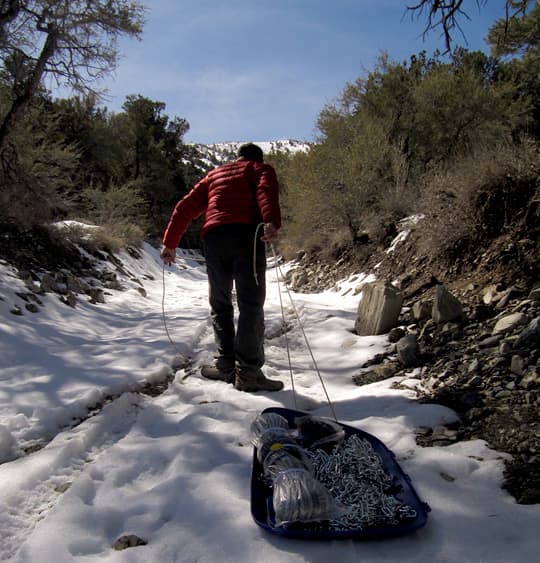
(235,198)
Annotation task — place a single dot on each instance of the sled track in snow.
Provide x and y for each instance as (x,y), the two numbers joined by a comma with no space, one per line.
(152,388)
(78,445)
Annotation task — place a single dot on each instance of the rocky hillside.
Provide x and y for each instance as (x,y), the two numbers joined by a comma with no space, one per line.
(467,337)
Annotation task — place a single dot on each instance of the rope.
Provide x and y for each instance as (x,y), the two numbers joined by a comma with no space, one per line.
(255,275)
(278,270)
(279,274)
(163,313)
(285,330)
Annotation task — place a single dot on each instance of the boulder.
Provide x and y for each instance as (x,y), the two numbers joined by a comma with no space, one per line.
(379,309)
(445,307)
(508,323)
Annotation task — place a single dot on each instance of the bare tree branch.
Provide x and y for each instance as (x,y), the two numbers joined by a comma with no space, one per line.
(74,41)
(444,14)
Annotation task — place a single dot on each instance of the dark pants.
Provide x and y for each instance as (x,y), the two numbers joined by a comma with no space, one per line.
(229,259)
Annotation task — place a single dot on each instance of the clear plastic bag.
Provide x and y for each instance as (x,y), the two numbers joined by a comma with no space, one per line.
(283,459)
(299,497)
(315,431)
(265,421)
(272,439)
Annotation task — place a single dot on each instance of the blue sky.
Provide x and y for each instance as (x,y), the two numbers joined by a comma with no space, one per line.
(241,70)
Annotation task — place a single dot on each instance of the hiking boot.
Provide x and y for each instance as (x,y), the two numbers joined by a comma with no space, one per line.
(250,378)
(219,374)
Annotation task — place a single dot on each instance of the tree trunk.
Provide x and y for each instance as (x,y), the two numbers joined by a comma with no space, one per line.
(21,101)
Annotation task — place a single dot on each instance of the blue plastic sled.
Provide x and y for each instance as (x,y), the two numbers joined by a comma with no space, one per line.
(262,506)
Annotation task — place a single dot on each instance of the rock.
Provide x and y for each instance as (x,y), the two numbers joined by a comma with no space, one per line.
(127,541)
(506,296)
(48,284)
(113,284)
(445,307)
(70,299)
(63,487)
(379,309)
(377,359)
(142,291)
(32,308)
(16,310)
(534,295)
(516,365)
(444,434)
(489,342)
(530,335)
(475,381)
(509,323)
(297,278)
(96,295)
(395,334)
(505,348)
(378,373)
(490,295)
(422,310)
(407,350)
(451,329)
(530,380)
(107,276)
(75,284)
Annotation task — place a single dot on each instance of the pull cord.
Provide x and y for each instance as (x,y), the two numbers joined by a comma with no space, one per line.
(164,315)
(283,320)
(279,274)
(255,275)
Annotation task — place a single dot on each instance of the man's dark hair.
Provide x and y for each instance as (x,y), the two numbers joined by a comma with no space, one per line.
(251,151)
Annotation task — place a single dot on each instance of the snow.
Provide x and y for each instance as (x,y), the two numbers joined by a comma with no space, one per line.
(223,152)
(175,469)
(284,145)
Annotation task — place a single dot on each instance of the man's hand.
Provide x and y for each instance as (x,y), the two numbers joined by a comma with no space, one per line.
(168,255)
(270,233)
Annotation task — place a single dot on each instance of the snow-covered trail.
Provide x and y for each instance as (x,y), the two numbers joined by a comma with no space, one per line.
(175,469)
(59,362)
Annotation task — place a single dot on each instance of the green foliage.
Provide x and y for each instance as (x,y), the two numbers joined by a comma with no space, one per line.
(140,149)
(517,35)
(154,155)
(387,131)
(520,35)
(81,122)
(398,140)
(118,204)
(35,172)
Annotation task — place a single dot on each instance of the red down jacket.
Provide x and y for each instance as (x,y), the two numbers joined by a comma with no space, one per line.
(243,191)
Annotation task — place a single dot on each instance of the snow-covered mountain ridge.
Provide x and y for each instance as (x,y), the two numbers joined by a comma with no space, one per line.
(217,153)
